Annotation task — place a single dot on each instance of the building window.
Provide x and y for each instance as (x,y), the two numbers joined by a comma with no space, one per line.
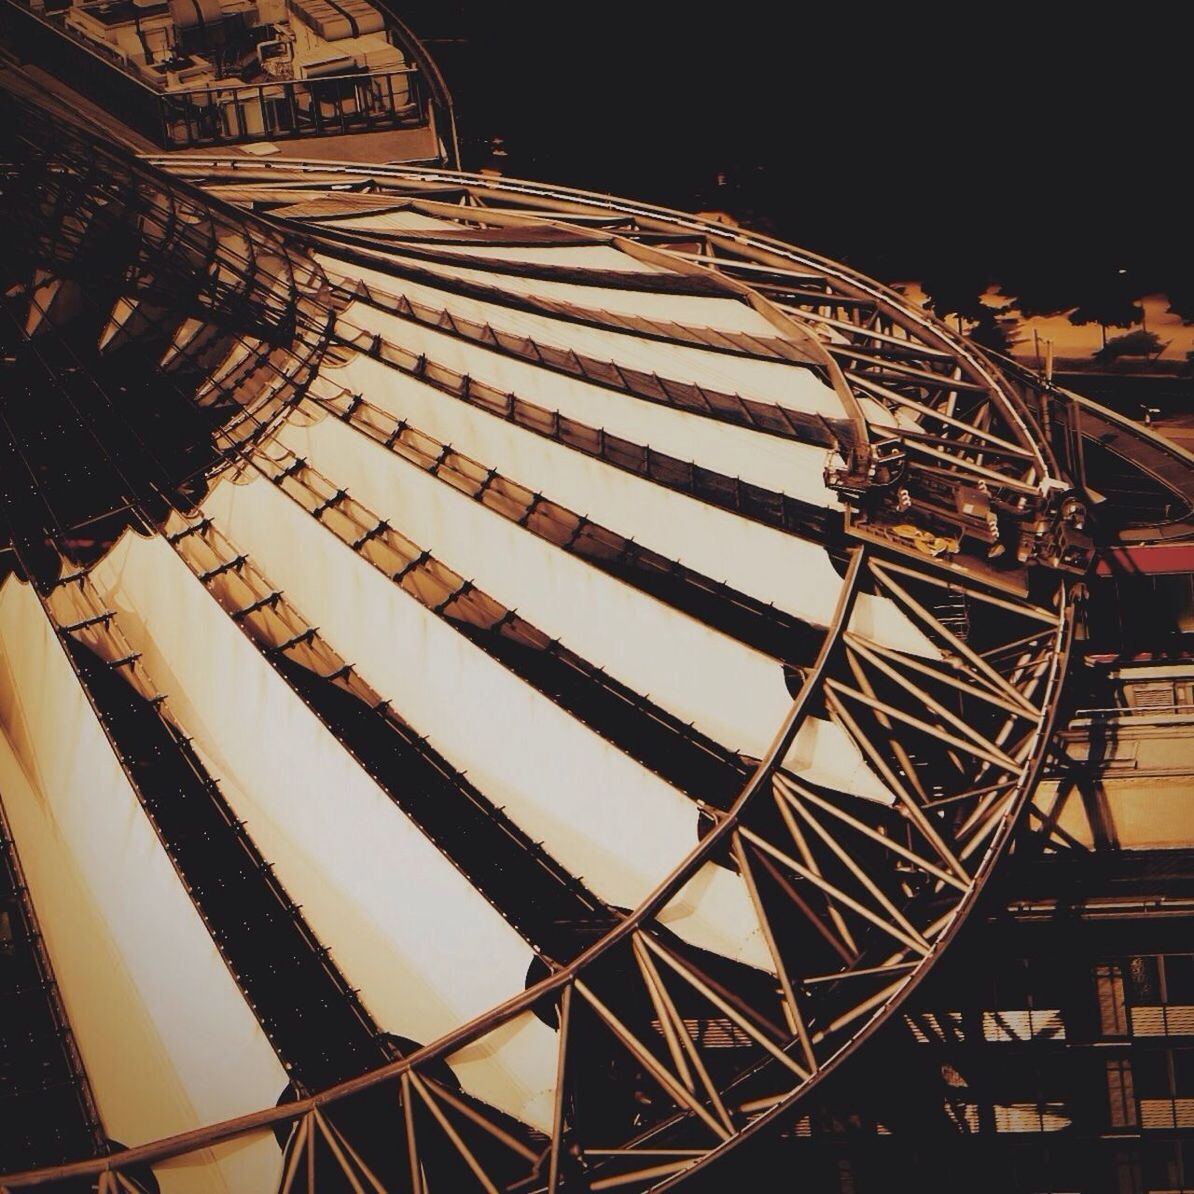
(1144,980)
(1164,1080)
(1160,993)
(1109,985)
(1128,1176)
(1034,1118)
(1179,978)
(1024,1024)
(1182,1062)
(1121,1097)
(1030,1117)
(1164,1168)
(845,1176)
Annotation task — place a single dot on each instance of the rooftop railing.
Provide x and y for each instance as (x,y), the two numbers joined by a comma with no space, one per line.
(292,107)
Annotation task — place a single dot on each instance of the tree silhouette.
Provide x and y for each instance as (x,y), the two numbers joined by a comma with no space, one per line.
(1042,293)
(1181,299)
(1109,309)
(996,328)
(1090,294)
(1133,344)
(955,290)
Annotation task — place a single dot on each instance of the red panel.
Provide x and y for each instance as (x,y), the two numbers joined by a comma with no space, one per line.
(1152,560)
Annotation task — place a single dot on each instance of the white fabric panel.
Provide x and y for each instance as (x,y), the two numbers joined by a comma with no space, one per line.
(733,693)
(792,385)
(797,576)
(824,753)
(167,1039)
(784,465)
(602,257)
(883,419)
(391,221)
(425,949)
(696,310)
(796,386)
(604,817)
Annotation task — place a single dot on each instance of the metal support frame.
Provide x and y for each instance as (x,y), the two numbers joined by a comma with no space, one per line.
(707,1115)
(854,899)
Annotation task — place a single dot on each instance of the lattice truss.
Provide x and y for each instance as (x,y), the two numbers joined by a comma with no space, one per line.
(521,687)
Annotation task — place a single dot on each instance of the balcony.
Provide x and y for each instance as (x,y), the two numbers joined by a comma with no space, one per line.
(292,108)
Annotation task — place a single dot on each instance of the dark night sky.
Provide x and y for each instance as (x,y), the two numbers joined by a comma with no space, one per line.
(1043,152)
